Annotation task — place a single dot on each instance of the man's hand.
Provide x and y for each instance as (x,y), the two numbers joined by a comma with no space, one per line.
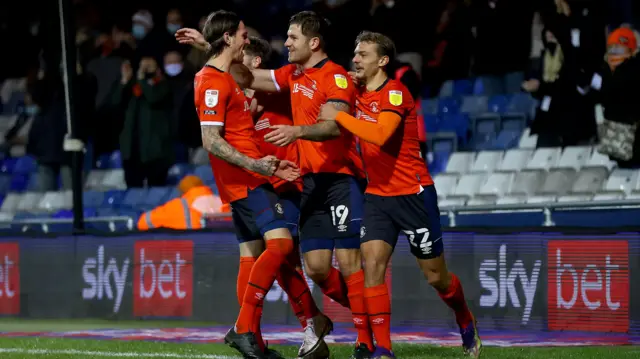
(242,75)
(266,166)
(531,85)
(328,112)
(126,72)
(282,135)
(287,170)
(192,37)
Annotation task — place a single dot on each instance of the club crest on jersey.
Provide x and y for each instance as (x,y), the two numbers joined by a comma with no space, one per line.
(211,98)
(374,107)
(395,97)
(341,81)
(279,208)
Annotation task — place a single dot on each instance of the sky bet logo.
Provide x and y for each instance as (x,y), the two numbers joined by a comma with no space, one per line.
(502,282)
(9,279)
(99,273)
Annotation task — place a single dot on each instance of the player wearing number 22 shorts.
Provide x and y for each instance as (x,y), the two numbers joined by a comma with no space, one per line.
(400,196)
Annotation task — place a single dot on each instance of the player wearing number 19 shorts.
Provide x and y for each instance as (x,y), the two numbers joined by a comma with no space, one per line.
(400,196)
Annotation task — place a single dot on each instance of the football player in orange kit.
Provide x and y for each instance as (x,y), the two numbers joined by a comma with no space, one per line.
(400,195)
(242,177)
(275,109)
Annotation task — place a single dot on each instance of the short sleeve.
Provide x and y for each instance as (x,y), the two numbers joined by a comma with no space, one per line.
(211,102)
(394,99)
(340,88)
(282,75)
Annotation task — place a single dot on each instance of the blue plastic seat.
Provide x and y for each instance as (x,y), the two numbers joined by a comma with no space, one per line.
(92,199)
(456,123)
(177,172)
(113,198)
(115,160)
(134,197)
(462,87)
(431,123)
(5,183)
(498,104)
(474,104)
(449,105)
(19,182)
(8,165)
(156,196)
(430,106)
(506,139)
(204,172)
(25,165)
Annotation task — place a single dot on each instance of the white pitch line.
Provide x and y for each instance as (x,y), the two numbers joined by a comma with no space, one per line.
(88,353)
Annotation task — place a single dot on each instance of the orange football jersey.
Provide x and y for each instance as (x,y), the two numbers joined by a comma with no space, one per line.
(397,167)
(310,89)
(220,102)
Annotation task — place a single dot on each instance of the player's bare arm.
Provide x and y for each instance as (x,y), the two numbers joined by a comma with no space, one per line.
(213,142)
(325,129)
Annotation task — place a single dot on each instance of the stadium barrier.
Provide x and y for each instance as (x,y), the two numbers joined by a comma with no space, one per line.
(535,280)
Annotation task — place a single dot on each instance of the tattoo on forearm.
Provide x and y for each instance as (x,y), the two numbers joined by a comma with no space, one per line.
(220,148)
(324,130)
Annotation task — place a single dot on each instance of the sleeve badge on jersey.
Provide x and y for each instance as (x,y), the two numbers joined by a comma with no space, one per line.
(395,97)
(341,81)
(211,98)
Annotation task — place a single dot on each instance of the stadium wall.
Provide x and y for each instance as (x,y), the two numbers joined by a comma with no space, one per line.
(571,280)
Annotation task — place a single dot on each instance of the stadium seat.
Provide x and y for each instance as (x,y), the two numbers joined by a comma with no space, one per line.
(474,105)
(634,195)
(134,197)
(431,123)
(506,139)
(19,182)
(450,105)
(589,181)
(177,171)
(599,160)
(445,184)
(460,162)
(526,183)
(487,161)
(115,160)
(496,185)
(457,123)
(484,130)
(102,162)
(573,157)
(63,214)
(621,181)
(113,198)
(608,196)
(452,202)
(200,157)
(557,182)
(29,202)
(468,185)
(173,193)
(544,158)
(522,103)
(53,201)
(462,87)
(92,199)
(7,165)
(437,162)
(94,179)
(527,140)
(511,199)
(114,179)
(513,121)
(430,106)
(5,183)
(11,202)
(204,172)
(155,197)
(5,217)
(33,182)
(514,160)
(446,90)
(498,104)
(481,201)
(24,165)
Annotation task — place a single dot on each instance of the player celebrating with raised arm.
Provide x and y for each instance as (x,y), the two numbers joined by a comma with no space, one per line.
(332,197)
(241,175)
(275,109)
(400,195)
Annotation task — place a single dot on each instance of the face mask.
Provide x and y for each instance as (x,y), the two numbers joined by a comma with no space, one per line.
(173,69)
(32,110)
(173,28)
(138,31)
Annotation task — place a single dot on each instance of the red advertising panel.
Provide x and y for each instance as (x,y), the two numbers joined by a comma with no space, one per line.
(9,279)
(163,278)
(588,285)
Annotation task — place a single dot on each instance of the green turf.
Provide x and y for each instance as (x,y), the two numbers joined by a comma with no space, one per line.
(63,325)
(405,351)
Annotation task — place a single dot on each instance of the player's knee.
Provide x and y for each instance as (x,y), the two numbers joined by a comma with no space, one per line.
(374,270)
(349,261)
(317,271)
(281,246)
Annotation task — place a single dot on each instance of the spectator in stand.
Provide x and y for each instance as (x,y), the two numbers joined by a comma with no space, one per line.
(180,78)
(620,135)
(146,141)
(196,202)
(565,116)
(18,132)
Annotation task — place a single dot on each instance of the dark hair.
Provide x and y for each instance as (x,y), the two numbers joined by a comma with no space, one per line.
(384,45)
(258,47)
(312,25)
(218,23)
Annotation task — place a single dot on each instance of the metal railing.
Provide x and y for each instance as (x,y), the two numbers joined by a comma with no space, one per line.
(546,208)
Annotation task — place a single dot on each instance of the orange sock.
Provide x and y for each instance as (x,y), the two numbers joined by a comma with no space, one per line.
(255,329)
(379,311)
(454,298)
(262,276)
(335,288)
(298,292)
(246,263)
(355,285)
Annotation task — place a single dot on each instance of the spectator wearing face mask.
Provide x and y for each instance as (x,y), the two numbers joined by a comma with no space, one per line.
(146,140)
(154,41)
(180,78)
(620,132)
